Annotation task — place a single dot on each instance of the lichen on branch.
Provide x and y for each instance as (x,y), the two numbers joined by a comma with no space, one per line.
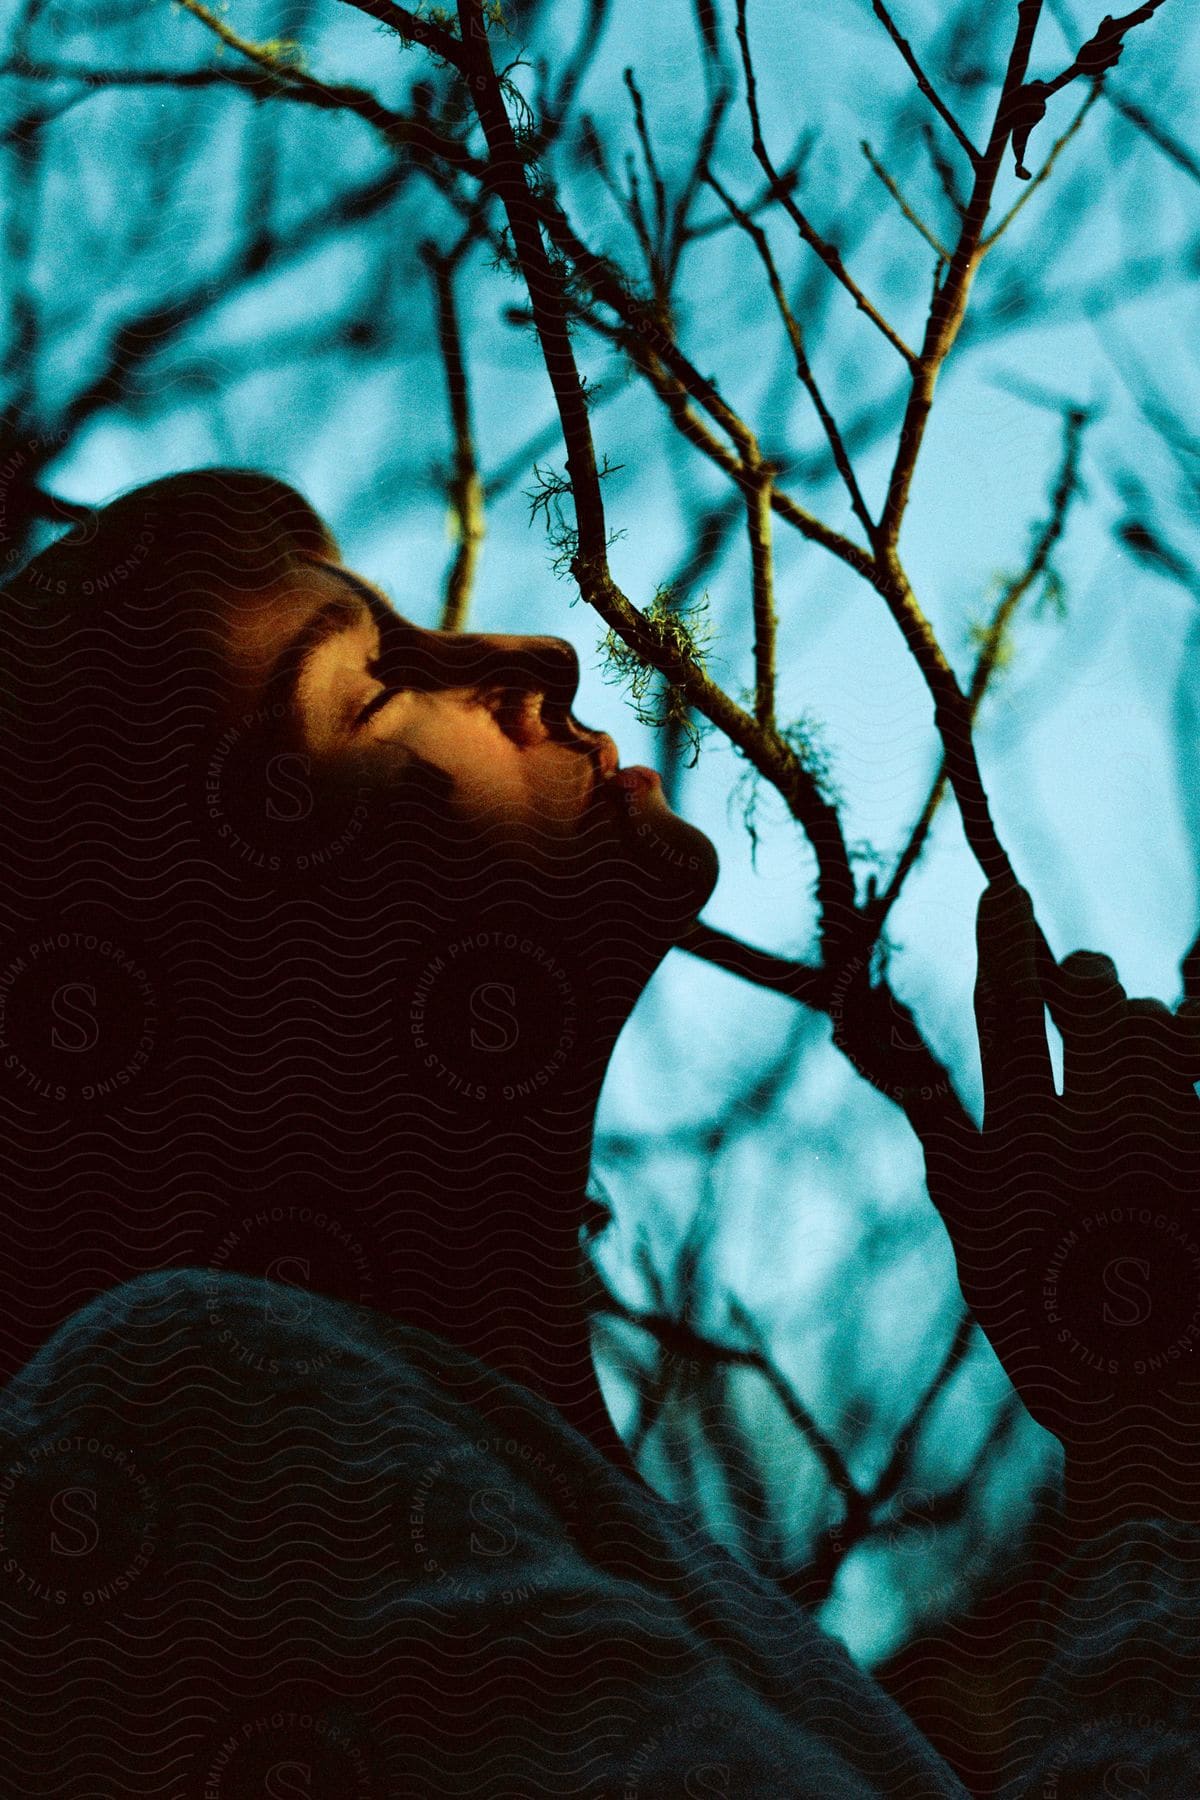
(677,630)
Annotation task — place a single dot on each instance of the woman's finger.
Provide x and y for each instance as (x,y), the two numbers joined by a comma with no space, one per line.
(1161,1095)
(1009,1009)
(1089,1010)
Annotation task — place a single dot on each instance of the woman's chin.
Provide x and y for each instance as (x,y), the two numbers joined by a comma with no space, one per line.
(668,848)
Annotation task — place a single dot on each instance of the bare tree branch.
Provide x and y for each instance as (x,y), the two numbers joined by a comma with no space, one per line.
(894,1470)
(943,169)
(875,1031)
(465,489)
(575,68)
(657,184)
(293,82)
(1152,129)
(913,217)
(923,81)
(799,981)
(685,1340)
(1044,173)
(1101,52)
(1065,489)
(412,28)
(780,190)
(950,300)
(762,579)
(758,238)
(674,397)
(764,749)
(1164,140)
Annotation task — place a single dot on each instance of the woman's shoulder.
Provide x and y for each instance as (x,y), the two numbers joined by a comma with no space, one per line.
(269,1468)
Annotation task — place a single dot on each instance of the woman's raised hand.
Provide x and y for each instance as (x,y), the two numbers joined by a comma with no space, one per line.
(1075,1218)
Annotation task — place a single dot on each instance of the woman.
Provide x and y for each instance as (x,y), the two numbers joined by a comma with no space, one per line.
(321,928)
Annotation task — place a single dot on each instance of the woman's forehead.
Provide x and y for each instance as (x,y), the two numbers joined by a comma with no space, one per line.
(315,594)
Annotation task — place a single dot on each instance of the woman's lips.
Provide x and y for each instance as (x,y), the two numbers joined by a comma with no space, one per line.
(632,781)
(637,779)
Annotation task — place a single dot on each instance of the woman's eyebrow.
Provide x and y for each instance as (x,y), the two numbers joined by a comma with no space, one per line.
(329,621)
(376,602)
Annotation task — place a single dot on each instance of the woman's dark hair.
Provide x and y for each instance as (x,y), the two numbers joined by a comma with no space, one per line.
(113,650)
(203,523)
(147,947)
(141,575)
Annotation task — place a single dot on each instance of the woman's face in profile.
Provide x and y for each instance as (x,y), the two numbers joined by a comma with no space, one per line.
(369,694)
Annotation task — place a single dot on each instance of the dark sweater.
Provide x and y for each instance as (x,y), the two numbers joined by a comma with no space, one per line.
(254,1543)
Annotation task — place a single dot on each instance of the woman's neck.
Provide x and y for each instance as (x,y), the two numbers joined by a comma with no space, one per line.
(400,1118)
(463,1220)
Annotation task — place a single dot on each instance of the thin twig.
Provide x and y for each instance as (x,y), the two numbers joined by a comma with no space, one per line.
(781,191)
(894,1470)
(658,185)
(789,175)
(913,217)
(692,428)
(1065,488)
(943,168)
(758,238)
(922,80)
(291,81)
(465,489)
(135,340)
(680,232)
(641,317)
(650,344)
(1044,173)
(1171,147)
(950,300)
(685,1341)
(575,68)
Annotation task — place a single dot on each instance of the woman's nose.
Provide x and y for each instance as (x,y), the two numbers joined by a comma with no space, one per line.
(546,665)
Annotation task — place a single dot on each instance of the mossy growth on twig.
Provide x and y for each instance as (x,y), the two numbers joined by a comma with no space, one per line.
(676,631)
(803,741)
(546,496)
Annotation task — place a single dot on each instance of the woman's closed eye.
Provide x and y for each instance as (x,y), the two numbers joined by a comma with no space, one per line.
(376,702)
